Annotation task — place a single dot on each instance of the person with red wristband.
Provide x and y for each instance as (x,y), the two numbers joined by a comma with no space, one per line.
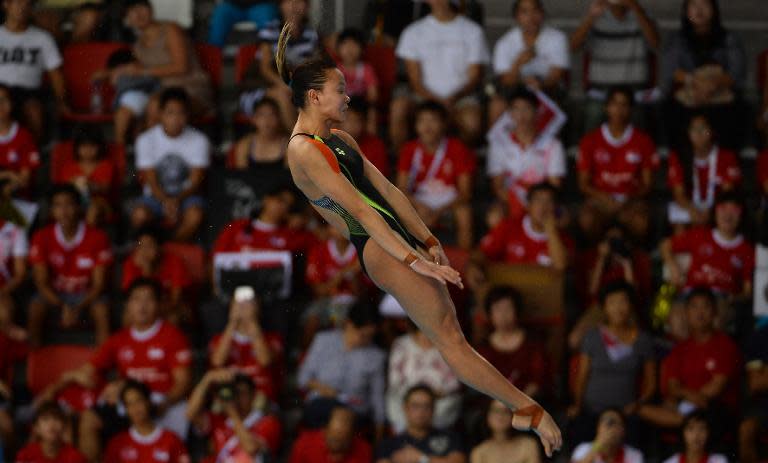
(396,249)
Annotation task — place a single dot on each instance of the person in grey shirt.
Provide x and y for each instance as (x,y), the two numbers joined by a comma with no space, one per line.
(613,356)
(344,366)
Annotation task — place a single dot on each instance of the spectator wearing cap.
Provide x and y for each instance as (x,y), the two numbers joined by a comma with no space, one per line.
(444,54)
(344,366)
(230,12)
(530,54)
(29,54)
(70,260)
(619,38)
(421,441)
(240,428)
(337,442)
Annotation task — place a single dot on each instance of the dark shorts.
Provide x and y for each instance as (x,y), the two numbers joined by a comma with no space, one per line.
(22,96)
(154,204)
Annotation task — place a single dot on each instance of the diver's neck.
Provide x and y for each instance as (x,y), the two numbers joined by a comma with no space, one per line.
(314,126)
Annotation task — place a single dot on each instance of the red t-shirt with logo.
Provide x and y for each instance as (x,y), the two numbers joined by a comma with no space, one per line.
(13,245)
(310,447)
(70,263)
(160,446)
(171,273)
(325,262)
(514,241)
(716,263)
(246,235)
(33,453)
(18,150)
(226,444)
(727,171)
(616,165)
(242,357)
(149,357)
(458,160)
(694,364)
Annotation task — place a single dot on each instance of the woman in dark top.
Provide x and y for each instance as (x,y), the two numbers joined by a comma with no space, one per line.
(265,146)
(613,356)
(704,68)
(509,348)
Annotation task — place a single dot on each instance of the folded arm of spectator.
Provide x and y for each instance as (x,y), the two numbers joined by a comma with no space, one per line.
(580,385)
(98,283)
(44,287)
(18,276)
(413,70)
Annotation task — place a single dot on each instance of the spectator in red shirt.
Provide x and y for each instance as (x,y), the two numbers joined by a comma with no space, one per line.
(721,257)
(534,239)
(267,232)
(359,76)
(371,146)
(265,147)
(616,163)
(244,431)
(149,350)
(145,440)
(48,443)
(699,174)
(245,347)
(150,260)
(337,443)
(93,173)
(509,348)
(337,281)
(19,156)
(702,372)
(435,171)
(70,260)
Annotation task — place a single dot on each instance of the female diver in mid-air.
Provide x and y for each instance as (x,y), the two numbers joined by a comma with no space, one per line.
(352,195)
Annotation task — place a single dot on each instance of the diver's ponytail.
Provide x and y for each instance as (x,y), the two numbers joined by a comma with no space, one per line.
(280,58)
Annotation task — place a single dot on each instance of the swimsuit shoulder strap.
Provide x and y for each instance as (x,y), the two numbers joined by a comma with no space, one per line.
(323,148)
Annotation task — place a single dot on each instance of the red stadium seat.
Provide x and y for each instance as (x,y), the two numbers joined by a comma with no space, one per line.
(246,55)
(762,70)
(81,61)
(47,364)
(211,60)
(194,259)
(384,62)
(64,151)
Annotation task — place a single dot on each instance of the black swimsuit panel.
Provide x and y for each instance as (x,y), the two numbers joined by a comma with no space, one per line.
(352,167)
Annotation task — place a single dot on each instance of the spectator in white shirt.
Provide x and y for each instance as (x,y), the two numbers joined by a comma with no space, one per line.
(530,54)
(444,55)
(519,156)
(26,53)
(172,158)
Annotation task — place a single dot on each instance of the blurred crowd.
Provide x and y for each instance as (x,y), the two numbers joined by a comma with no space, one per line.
(167,295)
